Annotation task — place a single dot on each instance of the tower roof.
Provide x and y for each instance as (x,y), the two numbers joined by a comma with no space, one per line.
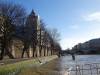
(32,13)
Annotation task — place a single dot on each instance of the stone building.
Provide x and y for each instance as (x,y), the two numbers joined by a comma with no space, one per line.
(39,41)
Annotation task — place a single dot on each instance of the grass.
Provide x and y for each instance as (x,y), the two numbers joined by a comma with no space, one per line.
(15,68)
(45,69)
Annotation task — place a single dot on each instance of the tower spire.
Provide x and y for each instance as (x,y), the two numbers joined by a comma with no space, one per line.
(33,13)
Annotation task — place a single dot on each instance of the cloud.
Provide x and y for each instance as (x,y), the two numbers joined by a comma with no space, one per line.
(70,42)
(74,27)
(93,17)
(95,33)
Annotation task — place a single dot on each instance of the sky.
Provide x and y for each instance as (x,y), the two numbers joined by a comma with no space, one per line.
(77,21)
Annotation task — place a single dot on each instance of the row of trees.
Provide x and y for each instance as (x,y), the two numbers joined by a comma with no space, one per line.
(14,22)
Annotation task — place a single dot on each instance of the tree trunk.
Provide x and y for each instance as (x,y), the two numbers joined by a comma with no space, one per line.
(25,49)
(2,53)
(23,52)
(9,53)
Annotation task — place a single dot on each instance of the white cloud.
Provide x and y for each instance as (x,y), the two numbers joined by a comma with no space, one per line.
(70,42)
(74,27)
(95,34)
(93,17)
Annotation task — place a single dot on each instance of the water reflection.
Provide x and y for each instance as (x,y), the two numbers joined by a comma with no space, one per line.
(63,65)
(60,66)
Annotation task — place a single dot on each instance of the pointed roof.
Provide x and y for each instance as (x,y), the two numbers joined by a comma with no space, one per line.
(32,13)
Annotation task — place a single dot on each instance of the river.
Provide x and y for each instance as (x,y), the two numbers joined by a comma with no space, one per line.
(83,65)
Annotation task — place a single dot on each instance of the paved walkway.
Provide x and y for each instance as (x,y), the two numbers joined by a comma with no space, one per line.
(11,61)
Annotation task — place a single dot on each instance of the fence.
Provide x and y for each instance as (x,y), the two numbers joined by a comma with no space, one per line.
(85,69)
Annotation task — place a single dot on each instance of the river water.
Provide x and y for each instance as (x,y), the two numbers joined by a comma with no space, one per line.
(66,66)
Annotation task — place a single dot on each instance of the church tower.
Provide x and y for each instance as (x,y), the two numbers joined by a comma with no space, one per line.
(32,20)
(32,30)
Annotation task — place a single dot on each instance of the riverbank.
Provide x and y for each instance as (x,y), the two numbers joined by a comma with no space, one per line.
(15,67)
(46,69)
(83,65)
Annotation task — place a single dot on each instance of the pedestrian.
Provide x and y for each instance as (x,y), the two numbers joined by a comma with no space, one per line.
(73,56)
(59,54)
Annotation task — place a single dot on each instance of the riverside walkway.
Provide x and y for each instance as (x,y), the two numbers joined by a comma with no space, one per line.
(66,66)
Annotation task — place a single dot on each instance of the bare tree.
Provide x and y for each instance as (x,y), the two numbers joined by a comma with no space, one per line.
(54,34)
(15,12)
(12,15)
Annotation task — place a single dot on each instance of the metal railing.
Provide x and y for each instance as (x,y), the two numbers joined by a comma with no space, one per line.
(85,69)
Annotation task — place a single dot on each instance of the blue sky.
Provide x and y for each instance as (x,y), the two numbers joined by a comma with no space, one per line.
(76,20)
